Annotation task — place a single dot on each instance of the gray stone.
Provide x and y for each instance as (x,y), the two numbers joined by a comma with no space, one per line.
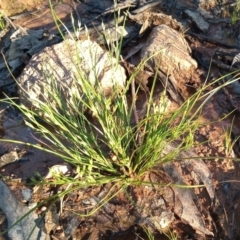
(198,20)
(24,226)
(8,158)
(27,194)
(64,65)
(168,50)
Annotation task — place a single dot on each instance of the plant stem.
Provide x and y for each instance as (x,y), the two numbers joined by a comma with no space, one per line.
(135,114)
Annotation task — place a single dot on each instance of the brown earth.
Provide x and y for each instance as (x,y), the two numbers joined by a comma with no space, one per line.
(12,7)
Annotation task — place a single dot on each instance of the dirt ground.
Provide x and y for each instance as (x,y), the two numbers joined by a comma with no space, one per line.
(11,7)
(124,217)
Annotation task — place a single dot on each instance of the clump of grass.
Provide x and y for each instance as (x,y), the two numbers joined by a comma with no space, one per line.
(2,21)
(111,146)
(235,12)
(116,149)
(109,150)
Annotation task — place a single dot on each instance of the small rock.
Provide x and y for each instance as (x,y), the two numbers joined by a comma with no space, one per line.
(204,13)
(21,32)
(8,158)
(22,44)
(27,194)
(168,51)
(198,20)
(57,170)
(63,63)
(22,40)
(21,221)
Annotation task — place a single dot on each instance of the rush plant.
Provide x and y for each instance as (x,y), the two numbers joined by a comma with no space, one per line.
(101,137)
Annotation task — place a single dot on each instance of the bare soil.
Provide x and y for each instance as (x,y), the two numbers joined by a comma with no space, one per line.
(12,7)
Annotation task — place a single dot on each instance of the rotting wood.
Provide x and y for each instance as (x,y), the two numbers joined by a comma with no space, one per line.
(211,40)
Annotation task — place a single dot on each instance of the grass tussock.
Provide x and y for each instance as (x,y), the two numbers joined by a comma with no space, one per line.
(112,145)
(99,136)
